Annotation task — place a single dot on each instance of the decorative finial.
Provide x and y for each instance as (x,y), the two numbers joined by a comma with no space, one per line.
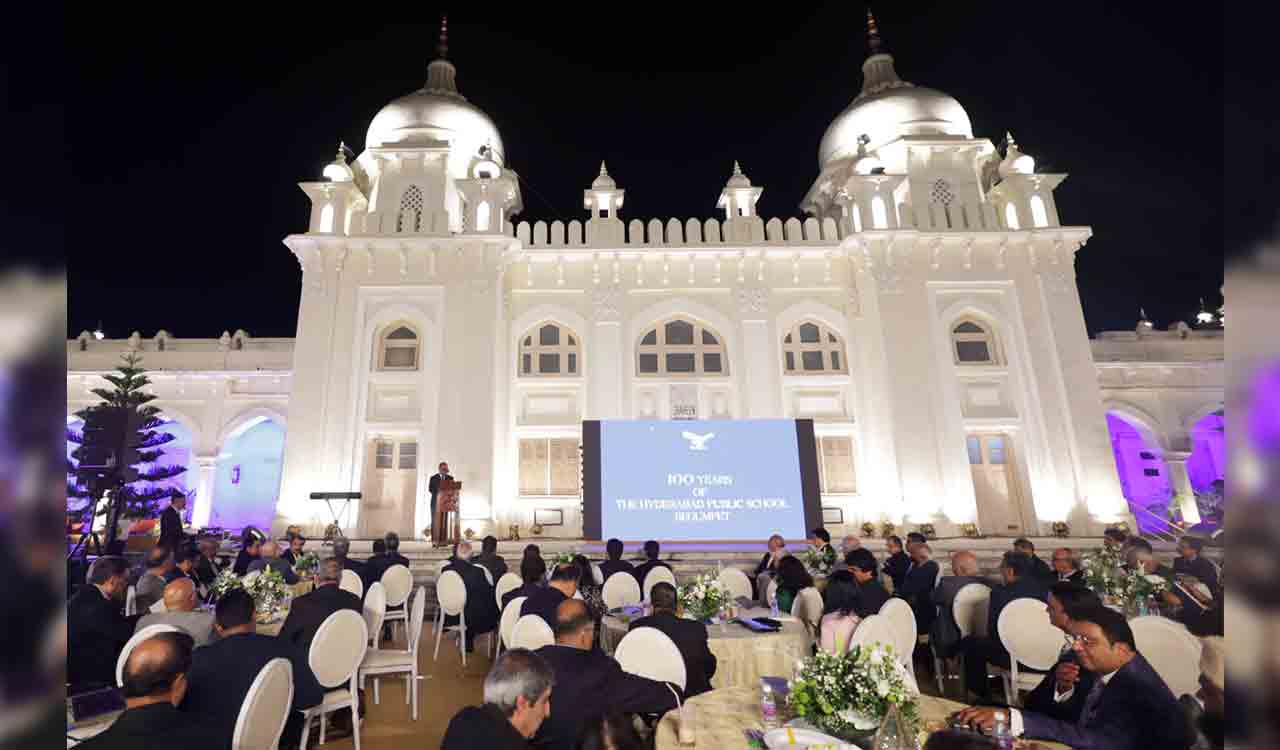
(442,46)
(873,34)
(342,150)
(603,172)
(736,169)
(1008,139)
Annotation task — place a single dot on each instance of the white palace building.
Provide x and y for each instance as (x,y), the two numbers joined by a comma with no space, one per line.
(924,314)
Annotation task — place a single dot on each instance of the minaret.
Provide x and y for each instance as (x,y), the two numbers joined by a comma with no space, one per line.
(738,199)
(603,201)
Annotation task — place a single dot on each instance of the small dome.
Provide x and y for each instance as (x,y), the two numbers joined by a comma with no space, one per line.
(738,179)
(429,115)
(1015,162)
(890,114)
(603,181)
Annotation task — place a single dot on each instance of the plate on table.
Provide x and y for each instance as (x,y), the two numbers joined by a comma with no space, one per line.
(787,738)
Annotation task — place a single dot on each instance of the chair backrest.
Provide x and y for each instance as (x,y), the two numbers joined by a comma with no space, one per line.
(351,582)
(510,615)
(417,616)
(507,583)
(970,607)
(1025,630)
(903,619)
(159,607)
(265,708)
(131,601)
(338,648)
(620,591)
(1172,651)
(807,608)
(532,632)
(398,582)
(451,592)
(133,642)
(375,610)
(737,583)
(657,574)
(649,652)
(597,574)
(875,629)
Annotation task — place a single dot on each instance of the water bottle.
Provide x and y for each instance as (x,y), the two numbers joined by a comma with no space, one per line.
(1001,733)
(773,605)
(894,734)
(768,708)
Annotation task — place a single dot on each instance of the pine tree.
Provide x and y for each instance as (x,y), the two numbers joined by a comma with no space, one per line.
(125,424)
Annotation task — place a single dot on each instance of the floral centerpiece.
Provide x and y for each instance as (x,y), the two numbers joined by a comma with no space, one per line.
(819,562)
(849,694)
(306,563)
(1104,572)
(269,592)
(703,597)
(226,581)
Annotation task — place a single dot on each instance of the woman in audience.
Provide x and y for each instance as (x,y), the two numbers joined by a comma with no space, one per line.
(591,593)
(609,732)
(792,579)
(839,612)
(532,570)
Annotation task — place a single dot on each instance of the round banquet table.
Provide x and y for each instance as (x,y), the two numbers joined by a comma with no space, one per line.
(742,656)
(720,716)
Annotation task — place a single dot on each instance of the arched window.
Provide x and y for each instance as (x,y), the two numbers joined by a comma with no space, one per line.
(398,348)
(410,210)
(1011,216)
(326,218)
(879,219)
(681,347)
(973,343)
(549,349)
(1039,216)
(482,217)
(857,216)
(811,348)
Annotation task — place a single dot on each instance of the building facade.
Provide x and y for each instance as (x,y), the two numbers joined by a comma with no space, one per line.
(924,314)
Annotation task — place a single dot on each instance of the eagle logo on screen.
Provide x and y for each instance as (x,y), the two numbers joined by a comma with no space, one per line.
(697,442)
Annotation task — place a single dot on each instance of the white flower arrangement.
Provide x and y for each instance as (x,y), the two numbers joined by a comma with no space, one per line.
(267,587)
(226,581)
(703,597)
(819,562)
(306,563)
(1103,572)
(853,691)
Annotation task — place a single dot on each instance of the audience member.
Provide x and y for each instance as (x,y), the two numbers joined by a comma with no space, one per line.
(393,550)
(171,535)
(588,682)
(269,557)
(896,564)
(342,553)
(792,579)
(820,540)
(1212,693)
(543,602)
(309,611)
(849,544)
(481,609)
(180,603)
(651,553)
(1129,706)
(376,564)
(767,570)
(517,700)
(489,559)
(250,539)
(1040,569)
(1066,567)
(96,628)
(208,566)
(222,672)
(871,595)
(1115,538)
(612,731)
(614,564)
(917,586)
(690,637)
(839,612)
(1061,694)
(296,544)
(155,683)
(1200,613)
(150,588)
(184,562)
(1190,563)
(915,537)
(979,649)
(533,569)
(944,636)
(590,592)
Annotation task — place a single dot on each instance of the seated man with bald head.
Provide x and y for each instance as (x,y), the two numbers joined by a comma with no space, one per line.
(589,683)
(155,683)
(945,633)
(269,557)
(180,601)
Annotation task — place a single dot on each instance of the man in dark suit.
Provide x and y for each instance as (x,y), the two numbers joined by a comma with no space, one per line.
(1040,569)
(376,565)
(1190,563)
(296,541)
(171,523)
(1061,694)
(896,564)
(208,566)
(96,627)
(979,649)
(342,552)
(392,540)
(871,595)
(544,602)
(222,672)
(690,636)
(517,699)
(150,587)
(482,609)
(944,635)
(433,486)
(615,564)
(489,559)
(1065,566)
(917,586)
(309,611)
(1129,707)
(651,552)
(533,569)
(155,682)
(589,683)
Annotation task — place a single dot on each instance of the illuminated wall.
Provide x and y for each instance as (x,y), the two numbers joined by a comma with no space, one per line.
(1208,460)
(248,477)
(1140,463)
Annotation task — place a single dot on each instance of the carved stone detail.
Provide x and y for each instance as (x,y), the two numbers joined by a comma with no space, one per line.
(606,304)
(753,300)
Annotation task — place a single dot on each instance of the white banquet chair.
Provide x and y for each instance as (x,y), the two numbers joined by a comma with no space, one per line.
(451,593)
(620,591)
(903,619)
(398,582)
(531,632)
(969,609)
(131,602)
(1032,640)
(351,582)
(737,583)
(133,642)
(507,583)
(394,661)
(655,576)
(507,624)
(1174,653)
(375,610)
(649,652)
(265,709)
(807,608)
(336,652)
(874,629)
(597,574)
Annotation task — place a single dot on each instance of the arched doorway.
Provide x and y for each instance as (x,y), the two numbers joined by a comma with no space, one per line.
(1143,475)
(1206,467)
(247,483)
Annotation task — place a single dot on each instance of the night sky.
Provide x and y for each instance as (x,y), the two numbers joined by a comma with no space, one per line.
(185,138)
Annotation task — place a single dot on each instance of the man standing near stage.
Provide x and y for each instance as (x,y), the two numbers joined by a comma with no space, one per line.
(437,534)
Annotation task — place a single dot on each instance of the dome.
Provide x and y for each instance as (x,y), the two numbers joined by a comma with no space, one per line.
(889,114)
(433,115)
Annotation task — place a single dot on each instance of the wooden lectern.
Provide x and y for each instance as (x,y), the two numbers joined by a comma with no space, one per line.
(446,526)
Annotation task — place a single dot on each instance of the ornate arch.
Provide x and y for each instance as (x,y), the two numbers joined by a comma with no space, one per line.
(252,415)
(1139,418)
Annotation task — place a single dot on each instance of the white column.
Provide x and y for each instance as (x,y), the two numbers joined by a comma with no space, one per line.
(761,370)
(606,359)
(1180,481)
(208,468)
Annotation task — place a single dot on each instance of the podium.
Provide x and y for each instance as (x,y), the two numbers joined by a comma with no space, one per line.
(446,527)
